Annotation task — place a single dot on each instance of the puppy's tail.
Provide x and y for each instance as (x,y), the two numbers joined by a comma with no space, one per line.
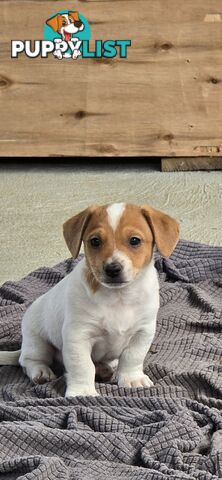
(9,358)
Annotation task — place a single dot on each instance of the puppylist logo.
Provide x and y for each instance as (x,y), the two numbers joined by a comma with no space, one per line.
(67,35)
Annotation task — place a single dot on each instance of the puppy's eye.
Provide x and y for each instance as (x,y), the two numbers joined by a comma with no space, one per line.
(134,241)
(95,242)
(63,23)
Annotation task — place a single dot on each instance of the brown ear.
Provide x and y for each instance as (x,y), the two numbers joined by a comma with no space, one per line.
(74,15)
(73,230)
(164,228)
(53,23)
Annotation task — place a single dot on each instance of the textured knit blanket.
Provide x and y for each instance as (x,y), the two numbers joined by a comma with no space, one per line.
(172,430)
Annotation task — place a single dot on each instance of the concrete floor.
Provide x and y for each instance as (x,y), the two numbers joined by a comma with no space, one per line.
(36,200)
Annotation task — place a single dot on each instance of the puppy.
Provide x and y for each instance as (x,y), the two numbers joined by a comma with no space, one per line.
(66,25)
(104,312)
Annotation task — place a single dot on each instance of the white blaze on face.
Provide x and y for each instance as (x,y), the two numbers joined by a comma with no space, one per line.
(115,212)
(66,16)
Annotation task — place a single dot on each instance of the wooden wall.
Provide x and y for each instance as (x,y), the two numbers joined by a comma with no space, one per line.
(165,99)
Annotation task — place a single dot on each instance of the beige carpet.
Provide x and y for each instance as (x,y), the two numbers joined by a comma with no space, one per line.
(36,201)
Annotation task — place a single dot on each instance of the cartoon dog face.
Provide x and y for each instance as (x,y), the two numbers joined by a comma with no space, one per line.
(66,24)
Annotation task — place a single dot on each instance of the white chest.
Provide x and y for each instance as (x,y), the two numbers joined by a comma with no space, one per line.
(111,317)
(115,329)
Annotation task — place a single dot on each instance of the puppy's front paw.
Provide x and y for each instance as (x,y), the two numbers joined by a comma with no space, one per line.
(81,390)
(134,381)
(76,54)
(58,54)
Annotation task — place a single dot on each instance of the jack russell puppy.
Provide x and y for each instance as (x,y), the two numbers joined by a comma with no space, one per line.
(104,312)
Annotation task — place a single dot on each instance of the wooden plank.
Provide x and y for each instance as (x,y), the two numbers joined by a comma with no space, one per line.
(165,99)
(188,163)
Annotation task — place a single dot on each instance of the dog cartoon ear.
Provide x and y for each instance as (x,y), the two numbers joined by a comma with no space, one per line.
(77,22)
(53,23)
(74,228)
(165,230)
(74,15)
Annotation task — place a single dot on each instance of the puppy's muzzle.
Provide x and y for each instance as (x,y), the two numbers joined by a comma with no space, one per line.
(113,271)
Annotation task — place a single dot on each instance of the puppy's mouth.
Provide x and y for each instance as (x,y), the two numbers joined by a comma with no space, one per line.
(67,36)
(110,282)
(114,284)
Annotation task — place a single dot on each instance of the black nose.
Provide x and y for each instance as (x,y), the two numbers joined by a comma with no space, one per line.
(78,23)
(113,269)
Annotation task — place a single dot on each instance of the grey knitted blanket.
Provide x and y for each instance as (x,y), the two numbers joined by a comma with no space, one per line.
(170,431)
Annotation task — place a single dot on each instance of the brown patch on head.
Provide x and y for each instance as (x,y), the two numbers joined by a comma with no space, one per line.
(91,222)
(133,224)
(152,227)
(98,227)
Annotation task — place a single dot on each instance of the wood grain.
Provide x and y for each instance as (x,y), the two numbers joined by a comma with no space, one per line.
(191,163)
(165,99)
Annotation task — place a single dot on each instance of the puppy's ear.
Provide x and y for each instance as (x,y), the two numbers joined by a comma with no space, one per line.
(164,228)
(53,23)
(73,230)
(74,15)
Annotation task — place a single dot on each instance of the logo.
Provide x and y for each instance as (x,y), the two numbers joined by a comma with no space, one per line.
(67,34)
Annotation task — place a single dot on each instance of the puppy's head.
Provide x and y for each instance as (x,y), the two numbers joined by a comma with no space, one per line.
(119,239)
(66,24)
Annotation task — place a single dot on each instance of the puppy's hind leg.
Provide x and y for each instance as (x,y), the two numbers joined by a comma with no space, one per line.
(35,358)
(105,370)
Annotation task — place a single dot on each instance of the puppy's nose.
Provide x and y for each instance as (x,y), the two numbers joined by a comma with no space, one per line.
(113,269)
(78,23)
